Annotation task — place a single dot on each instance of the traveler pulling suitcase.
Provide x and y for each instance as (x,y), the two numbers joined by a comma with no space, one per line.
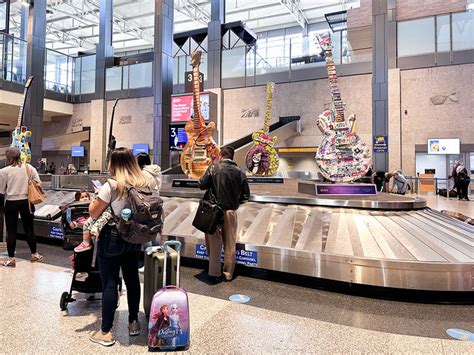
(153,274)
(168,326)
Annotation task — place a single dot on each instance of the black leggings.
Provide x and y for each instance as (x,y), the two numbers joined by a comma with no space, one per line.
(12,208)
(113,254)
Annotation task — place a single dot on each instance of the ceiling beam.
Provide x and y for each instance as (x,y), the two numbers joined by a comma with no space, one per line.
(294,9)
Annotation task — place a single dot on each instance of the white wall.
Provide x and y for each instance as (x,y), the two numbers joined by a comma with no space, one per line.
(430,161)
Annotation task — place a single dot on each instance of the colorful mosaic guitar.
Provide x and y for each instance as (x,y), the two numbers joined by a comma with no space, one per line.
(342,155)
(262,159)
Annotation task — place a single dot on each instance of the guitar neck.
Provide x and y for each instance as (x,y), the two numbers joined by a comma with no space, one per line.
(334,86)
(196,98)
(268,106)
(21,114)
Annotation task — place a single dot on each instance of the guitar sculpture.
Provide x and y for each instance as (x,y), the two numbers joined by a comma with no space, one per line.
(20,135)
(342,156)
(201,150)
(112,140)
(262,159)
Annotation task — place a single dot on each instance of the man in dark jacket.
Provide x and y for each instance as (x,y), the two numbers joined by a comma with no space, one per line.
(230,187)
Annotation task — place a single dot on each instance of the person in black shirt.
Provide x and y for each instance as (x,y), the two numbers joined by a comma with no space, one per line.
(379,178)
(230,187)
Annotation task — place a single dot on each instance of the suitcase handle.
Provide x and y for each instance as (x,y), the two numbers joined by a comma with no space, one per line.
(174,243)
(177,245)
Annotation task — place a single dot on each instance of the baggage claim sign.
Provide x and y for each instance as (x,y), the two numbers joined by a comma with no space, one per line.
(244,257)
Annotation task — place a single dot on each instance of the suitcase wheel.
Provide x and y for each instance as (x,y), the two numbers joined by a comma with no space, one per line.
(64,301)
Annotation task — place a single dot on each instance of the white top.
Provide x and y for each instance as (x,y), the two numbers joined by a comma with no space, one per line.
(105,194)
(14,181)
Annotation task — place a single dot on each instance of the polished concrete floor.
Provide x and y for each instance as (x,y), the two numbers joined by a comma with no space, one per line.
(285,314)
(451,204)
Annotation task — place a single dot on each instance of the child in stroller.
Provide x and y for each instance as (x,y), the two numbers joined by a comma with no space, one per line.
(90,227)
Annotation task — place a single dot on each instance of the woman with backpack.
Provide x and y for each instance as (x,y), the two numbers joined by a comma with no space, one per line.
(113,251)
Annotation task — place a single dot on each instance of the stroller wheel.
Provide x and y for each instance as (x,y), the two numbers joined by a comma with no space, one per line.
(64,301)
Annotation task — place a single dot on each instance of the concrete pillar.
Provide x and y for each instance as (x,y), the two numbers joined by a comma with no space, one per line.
(104,59)
(383,21)
(98,135)
(104,50)
(214,44)
(162,80)
(35,67)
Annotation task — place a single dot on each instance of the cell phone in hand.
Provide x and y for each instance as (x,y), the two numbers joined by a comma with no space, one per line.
(97,184)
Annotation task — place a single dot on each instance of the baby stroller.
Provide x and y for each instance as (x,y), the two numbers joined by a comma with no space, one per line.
(86,276)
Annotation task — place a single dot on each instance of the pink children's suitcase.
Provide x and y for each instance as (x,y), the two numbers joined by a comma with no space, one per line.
(168,325)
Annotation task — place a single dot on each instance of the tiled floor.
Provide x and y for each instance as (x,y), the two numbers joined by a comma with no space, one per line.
(279,318)
(451,204)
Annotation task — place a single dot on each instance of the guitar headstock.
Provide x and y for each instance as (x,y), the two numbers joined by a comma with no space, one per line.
(196,58)
(324,41)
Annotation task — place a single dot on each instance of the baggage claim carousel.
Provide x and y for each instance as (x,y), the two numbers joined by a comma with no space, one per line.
(385,240)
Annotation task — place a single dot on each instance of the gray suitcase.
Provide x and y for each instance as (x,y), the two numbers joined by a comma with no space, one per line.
(153,274)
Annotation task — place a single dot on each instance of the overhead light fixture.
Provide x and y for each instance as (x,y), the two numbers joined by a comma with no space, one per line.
(337,21)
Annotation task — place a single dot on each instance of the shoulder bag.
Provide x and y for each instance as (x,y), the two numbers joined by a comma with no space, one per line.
(35,191)
(209,214)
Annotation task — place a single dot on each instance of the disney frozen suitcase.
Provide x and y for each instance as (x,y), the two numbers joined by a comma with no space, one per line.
(168,325)
(153,274)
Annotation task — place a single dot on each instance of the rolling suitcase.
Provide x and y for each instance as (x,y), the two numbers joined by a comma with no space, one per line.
(168,326)
(153,274)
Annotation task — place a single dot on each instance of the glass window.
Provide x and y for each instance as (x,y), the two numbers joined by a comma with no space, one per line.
(113,79)
(88,74)
(77,76)
(233,62)
(416,37)
(250,62)
(141,75)
(463,30)
(3,18)
(442,33)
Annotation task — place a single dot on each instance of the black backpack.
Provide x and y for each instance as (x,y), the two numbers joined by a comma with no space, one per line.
(146,221)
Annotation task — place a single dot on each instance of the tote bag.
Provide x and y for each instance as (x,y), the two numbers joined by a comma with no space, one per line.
(35,192)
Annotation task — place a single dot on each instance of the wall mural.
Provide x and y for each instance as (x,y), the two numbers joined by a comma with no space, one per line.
(250,112)
(442,99)
(262,159)
(125,119)
(342,155)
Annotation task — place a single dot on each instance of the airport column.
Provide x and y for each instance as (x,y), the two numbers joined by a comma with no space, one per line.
(162,81)
(214,59)
(35,66)
(104,59)
(383,20)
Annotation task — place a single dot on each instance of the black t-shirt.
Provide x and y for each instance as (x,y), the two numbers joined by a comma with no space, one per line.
(380,175)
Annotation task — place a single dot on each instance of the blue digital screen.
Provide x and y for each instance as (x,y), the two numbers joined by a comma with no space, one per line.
(178,137)
(77,151)
(140,148)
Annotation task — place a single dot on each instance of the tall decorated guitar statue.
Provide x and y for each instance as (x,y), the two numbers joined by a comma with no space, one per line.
(262,159)
(342,155)
(21,135)
(201,150)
